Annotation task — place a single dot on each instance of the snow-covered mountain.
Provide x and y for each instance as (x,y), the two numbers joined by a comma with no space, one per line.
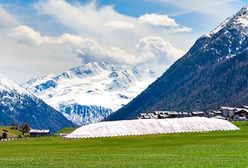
(18,105)
(212,73)
(230,37)
(91,92)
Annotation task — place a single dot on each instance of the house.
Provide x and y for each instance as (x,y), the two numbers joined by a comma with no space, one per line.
(148,116)
(172,114)
(240,112)
(143,116)
(246,107)
(153,115)
(234,112)
(213,113)
(184,114)
(39,133)
(217,113)
(159,115)
(198,113)
(165,114)
(162,114)
(227,111)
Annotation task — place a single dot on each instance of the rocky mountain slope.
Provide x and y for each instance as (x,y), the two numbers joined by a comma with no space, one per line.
(212,73)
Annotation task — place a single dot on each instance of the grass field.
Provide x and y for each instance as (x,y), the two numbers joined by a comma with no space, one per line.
(214,149)
(67,130)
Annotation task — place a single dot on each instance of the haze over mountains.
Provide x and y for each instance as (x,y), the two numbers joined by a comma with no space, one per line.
(212,73)
(91,92)
(19,106)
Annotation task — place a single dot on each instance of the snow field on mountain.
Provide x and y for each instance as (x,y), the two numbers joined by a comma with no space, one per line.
(87,93)
(8,85)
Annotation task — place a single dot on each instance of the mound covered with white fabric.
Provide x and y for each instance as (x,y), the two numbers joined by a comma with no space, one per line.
(151,126)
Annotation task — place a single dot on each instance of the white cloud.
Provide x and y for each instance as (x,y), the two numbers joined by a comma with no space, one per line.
(90,21)
(23,62)
(93,51)
(150,50)
(87,18)
(165,21)
(216,9)
(157,20)
(101,23)
(181,29)
(96,34)
(119,24)
(158,51)
(89,50)
(25,34)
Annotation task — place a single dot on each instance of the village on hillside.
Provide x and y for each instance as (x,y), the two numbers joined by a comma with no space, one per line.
(227,113)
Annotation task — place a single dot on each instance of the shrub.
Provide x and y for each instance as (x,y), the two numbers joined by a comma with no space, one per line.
(4,135)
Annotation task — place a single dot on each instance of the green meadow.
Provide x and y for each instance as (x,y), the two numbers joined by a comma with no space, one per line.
(67,130)
(212,149)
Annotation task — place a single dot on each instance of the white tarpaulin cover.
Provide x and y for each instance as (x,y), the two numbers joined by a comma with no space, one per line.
(151,126)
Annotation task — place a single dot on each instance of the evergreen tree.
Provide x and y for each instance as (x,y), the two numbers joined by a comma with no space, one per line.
(25,128)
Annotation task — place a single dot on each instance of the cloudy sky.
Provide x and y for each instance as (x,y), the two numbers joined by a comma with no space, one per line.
(38,37)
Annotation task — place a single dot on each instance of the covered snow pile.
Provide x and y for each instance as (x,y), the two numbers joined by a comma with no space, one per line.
(151,126)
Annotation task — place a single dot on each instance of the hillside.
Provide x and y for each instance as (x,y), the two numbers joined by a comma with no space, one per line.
(10,132)
(212,73)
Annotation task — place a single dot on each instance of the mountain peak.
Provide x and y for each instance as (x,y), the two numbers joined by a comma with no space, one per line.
(240,18)
(238,21)
(7,85)
(213,72)
(243,11)
(92,68)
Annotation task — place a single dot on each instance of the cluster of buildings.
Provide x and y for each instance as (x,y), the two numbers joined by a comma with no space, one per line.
(228,113)
(39,133)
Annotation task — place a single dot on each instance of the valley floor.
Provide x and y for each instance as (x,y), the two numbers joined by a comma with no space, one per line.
(214,149)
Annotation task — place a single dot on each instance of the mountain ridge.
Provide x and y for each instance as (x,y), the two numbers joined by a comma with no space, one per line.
(204,75)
